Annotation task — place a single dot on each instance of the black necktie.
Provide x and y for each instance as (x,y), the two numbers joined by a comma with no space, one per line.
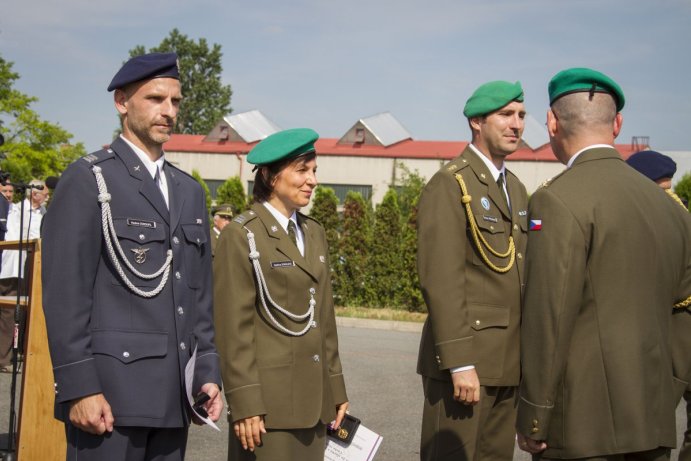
(291,232)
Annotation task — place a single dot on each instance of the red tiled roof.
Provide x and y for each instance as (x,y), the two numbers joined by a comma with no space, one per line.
(444,150)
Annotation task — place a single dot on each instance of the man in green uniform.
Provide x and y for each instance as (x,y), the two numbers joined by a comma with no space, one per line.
(472,232)
(608,256)
(222,214)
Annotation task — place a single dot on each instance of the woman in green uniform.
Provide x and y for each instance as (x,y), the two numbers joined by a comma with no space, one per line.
(274,316)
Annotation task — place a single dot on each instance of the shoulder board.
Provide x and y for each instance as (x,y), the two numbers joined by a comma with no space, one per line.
(98,156)
(244,218)
(551,180)
(455,165)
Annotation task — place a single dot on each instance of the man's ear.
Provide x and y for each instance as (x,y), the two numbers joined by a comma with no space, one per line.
(120,98)
(551,123)
(618,122)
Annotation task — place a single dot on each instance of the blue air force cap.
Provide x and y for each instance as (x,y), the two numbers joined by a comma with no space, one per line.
(653,165)
(144,67)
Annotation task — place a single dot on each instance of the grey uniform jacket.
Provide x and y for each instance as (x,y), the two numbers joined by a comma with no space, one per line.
(295,381)
(612,257)
(102,336)
(474,312)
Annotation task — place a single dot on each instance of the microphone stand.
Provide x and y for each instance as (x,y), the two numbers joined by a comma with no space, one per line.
(11,454)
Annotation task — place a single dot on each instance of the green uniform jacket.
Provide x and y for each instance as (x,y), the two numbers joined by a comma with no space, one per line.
(294,381)
(612,257)
(474,312)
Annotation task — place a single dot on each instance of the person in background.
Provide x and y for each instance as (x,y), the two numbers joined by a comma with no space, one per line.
(6,315)
(222,215)
(274,312)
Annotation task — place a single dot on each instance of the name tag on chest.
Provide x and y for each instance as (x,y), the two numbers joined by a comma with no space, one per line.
(279,264)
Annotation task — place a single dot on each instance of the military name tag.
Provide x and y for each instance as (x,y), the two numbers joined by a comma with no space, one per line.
(282,264)
(490,218)
(141,223)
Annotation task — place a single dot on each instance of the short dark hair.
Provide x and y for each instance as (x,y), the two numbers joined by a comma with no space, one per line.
(264,178)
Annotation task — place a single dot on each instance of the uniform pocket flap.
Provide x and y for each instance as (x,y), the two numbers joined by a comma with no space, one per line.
(138,230)
(490,223)
(194,234)
(483,316)
(128,346)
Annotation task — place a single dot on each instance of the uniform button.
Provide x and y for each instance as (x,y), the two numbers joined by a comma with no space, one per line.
(519,256)
(535,422)
(126,354)
(182,346)
(142,236)
(178,275)
(312,291)
(535,430)
(315,357)
(515,227)
(198,240)
(491,227)
(176,240)
(181,311)
(477,322)
(314,324)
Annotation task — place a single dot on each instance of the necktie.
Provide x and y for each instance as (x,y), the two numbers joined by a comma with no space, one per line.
(500,183)
(291,232)
(159,183)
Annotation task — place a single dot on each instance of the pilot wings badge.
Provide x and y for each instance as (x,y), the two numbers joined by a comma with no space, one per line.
(140,254)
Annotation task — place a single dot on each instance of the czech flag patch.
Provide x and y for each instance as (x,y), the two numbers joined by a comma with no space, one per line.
(535,224)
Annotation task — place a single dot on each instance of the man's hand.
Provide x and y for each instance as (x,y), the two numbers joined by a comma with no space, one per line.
(249,430)
(213,406)
(92,414)
(466,387)
(341,410)
(530,445)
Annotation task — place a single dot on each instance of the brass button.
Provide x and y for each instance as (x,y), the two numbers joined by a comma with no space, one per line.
(535,430)
(315,357)
(519,256)
(477,322)
(535,422)
(515,227)
(491,227)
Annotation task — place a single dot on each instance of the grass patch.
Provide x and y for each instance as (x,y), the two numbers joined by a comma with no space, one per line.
(381,314)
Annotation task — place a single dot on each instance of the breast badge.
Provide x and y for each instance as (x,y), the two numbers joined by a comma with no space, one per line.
(484,201)
(140,255)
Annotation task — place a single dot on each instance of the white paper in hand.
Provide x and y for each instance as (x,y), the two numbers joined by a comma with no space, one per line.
(189,380)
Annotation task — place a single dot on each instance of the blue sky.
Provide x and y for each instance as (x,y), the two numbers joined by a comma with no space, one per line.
(324,63)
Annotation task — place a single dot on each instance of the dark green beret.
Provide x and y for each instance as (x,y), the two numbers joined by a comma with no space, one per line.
(492,96)
(144,67)
(284,144)
(581,79)
(222,210)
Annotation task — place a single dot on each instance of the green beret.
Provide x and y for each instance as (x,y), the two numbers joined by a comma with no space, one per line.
(492,96)
(284,144)
(222,210)
(581,79)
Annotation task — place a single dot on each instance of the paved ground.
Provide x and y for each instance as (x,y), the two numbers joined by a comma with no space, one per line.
(383,388)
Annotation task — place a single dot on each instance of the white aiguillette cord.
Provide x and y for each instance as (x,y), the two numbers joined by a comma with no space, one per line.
(110,237)
(264,295)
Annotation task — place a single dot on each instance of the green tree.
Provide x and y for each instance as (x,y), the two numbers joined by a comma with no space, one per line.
(385,267)
(325,210)
(33,148)
(207,194)
(232,193)
(683,188)
(411,185)
(356,234)
(205,99)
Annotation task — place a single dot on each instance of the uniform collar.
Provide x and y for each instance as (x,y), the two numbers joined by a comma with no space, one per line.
(490,166)
(144,158)
(569,164)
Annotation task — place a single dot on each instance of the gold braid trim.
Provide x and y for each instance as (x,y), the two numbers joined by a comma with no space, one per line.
(687,302)
(479,239)
(675,197)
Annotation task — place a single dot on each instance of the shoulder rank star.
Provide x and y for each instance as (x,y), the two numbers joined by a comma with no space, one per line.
(140,254)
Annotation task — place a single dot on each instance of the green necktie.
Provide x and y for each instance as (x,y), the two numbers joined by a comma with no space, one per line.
(291,232)
(500,183)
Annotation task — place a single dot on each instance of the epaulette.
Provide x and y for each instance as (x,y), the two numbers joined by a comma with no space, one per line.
(98,156)
(551,180)
(244,218)
(456,165)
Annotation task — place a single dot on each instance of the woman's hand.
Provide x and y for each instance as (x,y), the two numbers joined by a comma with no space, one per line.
(249,430)
(341,410)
